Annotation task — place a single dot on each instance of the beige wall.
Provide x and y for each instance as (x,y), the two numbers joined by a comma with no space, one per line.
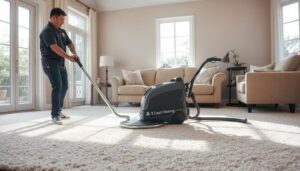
(220,25)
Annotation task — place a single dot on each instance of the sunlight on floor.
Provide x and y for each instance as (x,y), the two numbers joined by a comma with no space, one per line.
(173,144)
(98,125)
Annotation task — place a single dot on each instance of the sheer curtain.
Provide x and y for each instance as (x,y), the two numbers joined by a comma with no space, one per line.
(276,42)
(91,96)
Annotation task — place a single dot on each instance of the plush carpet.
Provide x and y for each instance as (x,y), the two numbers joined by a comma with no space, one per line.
(93,140)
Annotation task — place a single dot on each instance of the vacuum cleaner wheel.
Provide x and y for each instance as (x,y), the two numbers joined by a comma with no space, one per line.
(178,118)
(139,124)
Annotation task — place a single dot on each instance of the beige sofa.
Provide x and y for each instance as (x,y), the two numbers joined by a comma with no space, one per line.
(271,85)
(205,93)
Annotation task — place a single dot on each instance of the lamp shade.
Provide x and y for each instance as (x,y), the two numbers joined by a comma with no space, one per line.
(106,61)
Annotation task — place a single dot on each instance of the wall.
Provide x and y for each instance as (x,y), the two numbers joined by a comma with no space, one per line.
(220,25)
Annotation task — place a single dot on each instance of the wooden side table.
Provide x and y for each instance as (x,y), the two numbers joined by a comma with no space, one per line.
(232,72)
(105,85)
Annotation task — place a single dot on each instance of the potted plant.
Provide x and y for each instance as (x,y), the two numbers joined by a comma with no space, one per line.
(236,58)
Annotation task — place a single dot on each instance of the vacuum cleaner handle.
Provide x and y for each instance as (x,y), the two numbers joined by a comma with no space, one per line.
(191,84)
(197,107)
(77,60)
(99,91)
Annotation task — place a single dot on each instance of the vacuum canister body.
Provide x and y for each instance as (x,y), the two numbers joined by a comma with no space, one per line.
(165,103)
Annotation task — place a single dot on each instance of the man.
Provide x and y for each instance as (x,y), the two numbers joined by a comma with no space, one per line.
(53,42)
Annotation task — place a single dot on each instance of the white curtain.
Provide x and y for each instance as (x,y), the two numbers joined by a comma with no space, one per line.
(276,50)
(91,95)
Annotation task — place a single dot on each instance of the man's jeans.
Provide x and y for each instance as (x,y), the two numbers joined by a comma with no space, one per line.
(58,78)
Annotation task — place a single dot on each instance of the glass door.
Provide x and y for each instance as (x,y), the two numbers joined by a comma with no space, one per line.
(16,56)
(77,33)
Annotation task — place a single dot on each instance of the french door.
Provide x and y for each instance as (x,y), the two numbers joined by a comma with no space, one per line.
(17,42)
(77,33)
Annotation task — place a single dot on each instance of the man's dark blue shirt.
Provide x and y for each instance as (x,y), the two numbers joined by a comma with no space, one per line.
(49,36)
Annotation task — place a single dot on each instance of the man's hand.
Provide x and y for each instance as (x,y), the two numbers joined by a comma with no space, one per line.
(72,58)
(76,57)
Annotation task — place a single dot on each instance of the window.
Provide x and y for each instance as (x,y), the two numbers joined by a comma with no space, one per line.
(290,27)
(175,42)
(77,33)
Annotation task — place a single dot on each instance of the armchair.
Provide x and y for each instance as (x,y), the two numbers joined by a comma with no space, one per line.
(278,86)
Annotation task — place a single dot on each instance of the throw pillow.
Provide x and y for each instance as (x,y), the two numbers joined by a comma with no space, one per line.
(262,68)
(206,74)
(132,77)
(289,64)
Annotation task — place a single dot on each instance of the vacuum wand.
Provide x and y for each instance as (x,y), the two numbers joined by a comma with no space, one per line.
(100,92)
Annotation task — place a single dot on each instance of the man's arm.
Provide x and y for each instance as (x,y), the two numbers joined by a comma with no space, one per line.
(56,49)
(49,39)
(72,48)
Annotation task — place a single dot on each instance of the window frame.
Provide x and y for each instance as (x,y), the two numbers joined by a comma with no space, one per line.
(282,41)
(159,21)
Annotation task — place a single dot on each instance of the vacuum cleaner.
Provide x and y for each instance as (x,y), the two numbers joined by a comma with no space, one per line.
(165,103)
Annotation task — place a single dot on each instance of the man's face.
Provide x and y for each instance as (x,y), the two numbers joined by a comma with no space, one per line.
(58,21)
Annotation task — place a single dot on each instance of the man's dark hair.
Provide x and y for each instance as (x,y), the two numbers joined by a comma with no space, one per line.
(57,12)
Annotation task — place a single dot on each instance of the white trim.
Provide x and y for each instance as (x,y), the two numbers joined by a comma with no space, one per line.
(174,20)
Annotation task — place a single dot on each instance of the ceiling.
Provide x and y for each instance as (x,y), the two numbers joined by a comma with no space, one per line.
(110,5)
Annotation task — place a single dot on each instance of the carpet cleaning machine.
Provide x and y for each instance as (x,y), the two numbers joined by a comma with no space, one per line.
(165,103)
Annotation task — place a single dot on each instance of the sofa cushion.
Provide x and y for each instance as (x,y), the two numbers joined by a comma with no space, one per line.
(132,77)
(189,72)
(206,74)
(132,90)
(289,64)
(203,89)
(165,75)
(262,70)
(241,87)
(148,76)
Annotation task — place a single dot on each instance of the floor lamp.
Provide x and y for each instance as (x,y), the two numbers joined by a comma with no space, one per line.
(106,61)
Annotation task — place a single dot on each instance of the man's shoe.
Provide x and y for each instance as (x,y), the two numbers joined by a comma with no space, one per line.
(56,120)
(62,116)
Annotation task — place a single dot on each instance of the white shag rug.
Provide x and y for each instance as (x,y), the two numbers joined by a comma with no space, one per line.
(93,140)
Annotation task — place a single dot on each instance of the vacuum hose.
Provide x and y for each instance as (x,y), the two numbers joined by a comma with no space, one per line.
(100,92)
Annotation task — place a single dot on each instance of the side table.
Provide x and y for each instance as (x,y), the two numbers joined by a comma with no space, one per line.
(105,85)
(232,72)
